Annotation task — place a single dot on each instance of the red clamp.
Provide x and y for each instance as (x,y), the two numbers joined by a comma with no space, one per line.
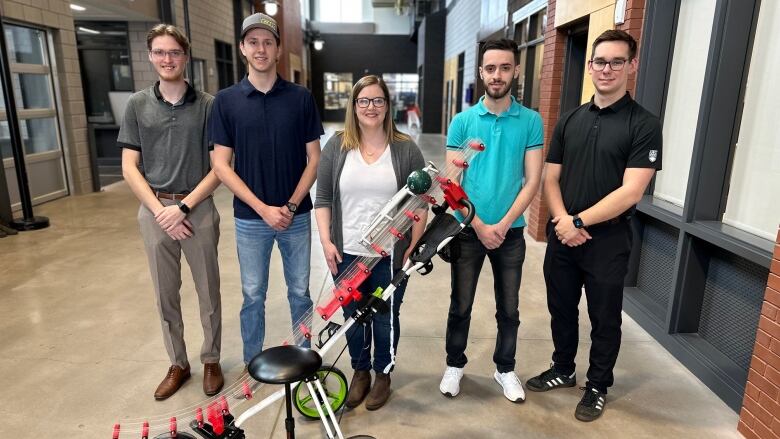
(396,233)
(199,417)
(116,432)
(223,405)
(345,292)
(428,198)
(453,193)
(305,331)
(477,145)
(411,215)
(460,163)
(247,390)
(145,430)
(379,249)
(174,428)
(215,419)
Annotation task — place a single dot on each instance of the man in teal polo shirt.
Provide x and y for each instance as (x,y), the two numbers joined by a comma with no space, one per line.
(501,182)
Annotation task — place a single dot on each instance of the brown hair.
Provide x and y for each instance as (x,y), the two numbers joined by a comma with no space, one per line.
(500,44)
(350,137)
(170,30)
(617,35)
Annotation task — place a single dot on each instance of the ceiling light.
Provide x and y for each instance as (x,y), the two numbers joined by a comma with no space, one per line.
(87,30)
(318,44)
(271,7)
(77,8)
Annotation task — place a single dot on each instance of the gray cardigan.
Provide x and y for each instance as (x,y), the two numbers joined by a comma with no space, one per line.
(406,157)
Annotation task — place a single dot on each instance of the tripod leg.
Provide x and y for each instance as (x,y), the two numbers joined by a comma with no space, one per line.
(325,421)
(327,407)
(289,423)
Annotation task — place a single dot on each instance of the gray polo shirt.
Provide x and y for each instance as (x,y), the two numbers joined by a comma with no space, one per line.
(172,138)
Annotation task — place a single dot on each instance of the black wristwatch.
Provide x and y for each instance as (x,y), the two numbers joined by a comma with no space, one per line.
(183,207)
(292,207)
(578,224)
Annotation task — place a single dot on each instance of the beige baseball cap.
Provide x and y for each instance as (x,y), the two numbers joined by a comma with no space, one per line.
(259,21)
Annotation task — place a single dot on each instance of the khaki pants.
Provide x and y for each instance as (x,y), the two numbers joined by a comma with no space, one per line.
(164,254)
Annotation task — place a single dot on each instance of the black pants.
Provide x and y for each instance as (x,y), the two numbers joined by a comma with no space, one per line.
(600,265)
(507,264)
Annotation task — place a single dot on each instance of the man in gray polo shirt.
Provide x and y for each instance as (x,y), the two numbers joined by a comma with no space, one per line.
(164,128)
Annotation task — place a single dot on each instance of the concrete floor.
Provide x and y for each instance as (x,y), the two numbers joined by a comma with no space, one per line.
(81,346)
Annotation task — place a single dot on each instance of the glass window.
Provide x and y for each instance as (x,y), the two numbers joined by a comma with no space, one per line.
(529,35)
(5,141)
(686,82)
(198,73)
(25,45)
(39,135)
(340,11)
(403,93)
(33,89)
(753,204)
(338,87)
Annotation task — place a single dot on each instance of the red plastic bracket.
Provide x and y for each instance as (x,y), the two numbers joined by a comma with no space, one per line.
(247,390)
(116,432)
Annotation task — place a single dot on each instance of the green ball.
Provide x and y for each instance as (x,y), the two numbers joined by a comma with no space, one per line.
(419,182)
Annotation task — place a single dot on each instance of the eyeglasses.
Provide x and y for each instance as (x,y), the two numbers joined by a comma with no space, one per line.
(364,102)
(615,65)
(161,54)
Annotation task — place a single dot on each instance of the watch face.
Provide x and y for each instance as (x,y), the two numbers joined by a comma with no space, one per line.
(578,223)
(292,207)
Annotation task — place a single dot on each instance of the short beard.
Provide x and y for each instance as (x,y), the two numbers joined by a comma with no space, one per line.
(500,94)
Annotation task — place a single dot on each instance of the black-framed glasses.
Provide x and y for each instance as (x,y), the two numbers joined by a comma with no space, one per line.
(616,64)
(364,102)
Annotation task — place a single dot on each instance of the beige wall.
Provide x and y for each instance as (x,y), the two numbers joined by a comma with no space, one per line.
(450,74)
(143,72)
(56,17)
(600,20)
(567,11)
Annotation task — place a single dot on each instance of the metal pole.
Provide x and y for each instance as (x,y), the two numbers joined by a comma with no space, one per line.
(190,67)
(29,221)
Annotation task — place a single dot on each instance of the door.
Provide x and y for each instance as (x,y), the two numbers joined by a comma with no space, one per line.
(28,53)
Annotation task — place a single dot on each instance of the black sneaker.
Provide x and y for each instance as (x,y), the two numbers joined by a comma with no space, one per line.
(591,405)
(550,379)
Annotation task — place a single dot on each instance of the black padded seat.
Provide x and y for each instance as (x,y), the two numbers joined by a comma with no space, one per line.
(284,364)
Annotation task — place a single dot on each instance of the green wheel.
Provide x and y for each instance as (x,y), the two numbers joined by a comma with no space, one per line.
(333,381)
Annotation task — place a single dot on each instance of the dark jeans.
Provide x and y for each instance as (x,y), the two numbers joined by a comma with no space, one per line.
(600,265)
(379,327)
(507,264)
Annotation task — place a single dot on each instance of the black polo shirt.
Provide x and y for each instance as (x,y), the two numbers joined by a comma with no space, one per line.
(595,146)
(268,133)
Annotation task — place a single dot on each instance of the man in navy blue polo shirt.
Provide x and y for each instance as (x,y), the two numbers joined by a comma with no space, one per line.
(273,128)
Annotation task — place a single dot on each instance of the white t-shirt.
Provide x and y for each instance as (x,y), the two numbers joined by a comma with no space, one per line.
(364,189)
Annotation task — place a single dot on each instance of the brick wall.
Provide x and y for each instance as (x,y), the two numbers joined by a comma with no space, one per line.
(760,415)
(549,105)
(56,18)
(144,74)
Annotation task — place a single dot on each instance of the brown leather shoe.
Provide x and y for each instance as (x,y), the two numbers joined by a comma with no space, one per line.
(358,388)
(379,393)
(212,379)
(173,380)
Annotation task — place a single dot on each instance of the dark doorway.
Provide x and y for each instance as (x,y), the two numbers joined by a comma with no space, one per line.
(574,67)
(459,94)
(224,61)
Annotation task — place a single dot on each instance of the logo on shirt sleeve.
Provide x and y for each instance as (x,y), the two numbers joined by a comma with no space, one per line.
(652,155)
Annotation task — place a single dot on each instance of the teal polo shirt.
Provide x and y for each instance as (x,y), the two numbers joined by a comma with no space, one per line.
(496,175)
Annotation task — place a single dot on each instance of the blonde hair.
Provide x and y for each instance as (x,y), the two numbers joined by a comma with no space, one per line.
(170,30)
(350,137)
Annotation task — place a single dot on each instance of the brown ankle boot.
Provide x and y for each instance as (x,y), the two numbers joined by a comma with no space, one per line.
(173,380)
(358,388)
(212,379)
(379,393)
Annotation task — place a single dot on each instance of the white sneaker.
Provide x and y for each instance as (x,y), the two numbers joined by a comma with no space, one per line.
(513,387)
(450,383)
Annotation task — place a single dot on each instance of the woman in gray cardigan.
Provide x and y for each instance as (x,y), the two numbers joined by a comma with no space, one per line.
(360,169)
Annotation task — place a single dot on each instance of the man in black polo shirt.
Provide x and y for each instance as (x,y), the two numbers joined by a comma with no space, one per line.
(273,128)
(164,127)
(602,157)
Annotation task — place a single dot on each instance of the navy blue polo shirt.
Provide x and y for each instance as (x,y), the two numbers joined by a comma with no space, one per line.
(268,133)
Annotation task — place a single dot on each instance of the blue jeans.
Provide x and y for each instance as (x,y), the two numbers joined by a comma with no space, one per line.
(254,240)
(379,327)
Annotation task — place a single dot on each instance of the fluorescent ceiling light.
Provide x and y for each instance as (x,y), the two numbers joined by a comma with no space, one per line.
(88,30)
(77,8)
